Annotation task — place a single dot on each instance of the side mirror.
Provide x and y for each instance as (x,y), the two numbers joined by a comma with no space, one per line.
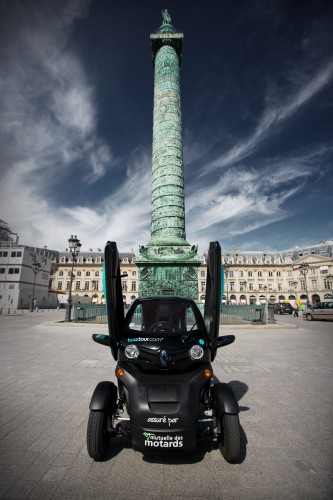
(101,339)
(225,340)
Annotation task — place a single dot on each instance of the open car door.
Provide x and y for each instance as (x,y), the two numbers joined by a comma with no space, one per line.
(114,296)
(213,294)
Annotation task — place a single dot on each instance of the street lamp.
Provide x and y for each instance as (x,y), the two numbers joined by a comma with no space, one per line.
(243,284)
(74,246)
(226,272)
(36,265)
(265,288)
(304,269)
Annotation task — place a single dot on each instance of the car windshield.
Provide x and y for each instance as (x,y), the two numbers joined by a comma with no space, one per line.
(164,316)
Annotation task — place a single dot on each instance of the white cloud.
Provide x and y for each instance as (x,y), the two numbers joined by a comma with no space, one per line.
(244,199)
(271,117)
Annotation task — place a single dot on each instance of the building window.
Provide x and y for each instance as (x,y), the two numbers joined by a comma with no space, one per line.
(13,270)
(16,254)
(231,274)
(78,273)
(96,273)
(289,273)
(2,270)
(249,273)
(241,274)
(270,274)
(3,254)
(312,270)
(86,285)
(251,287)
(133,286)
(278,273)
(124,285)
(203,274)
(279,286)
(232,286)
(133,273)
(61,273)
(59,286)
(314,284)
(203,286)
(87,273)
(95,285)
(327,284)
(77,285)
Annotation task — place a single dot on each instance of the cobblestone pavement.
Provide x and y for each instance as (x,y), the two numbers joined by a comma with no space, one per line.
(282,378)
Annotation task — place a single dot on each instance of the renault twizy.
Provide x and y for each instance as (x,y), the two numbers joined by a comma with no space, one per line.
(166,397)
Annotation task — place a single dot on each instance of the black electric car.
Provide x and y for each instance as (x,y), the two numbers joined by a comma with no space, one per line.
(167,397)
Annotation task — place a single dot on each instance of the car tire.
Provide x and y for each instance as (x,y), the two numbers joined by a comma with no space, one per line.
(229,438)
(279,312)
(97,435)
(309,317)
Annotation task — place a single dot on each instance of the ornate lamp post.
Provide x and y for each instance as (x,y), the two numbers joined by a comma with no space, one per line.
(36,265)
(74,246)
(244,285)
(304,269)
(226,272)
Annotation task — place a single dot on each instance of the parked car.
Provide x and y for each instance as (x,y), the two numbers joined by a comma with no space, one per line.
(321,310)
(283,308)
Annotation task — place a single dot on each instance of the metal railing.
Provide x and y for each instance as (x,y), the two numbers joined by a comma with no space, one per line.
(230,315)
(243,314)
(90,313)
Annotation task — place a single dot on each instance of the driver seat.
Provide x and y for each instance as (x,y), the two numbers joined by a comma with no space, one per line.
(164,313)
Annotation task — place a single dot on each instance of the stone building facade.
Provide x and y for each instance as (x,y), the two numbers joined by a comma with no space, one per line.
(249,277)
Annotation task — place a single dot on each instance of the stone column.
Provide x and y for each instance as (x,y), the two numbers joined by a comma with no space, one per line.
(168,207)
(168,263)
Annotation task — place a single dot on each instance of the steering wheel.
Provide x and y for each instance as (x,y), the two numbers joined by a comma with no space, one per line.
(164,326)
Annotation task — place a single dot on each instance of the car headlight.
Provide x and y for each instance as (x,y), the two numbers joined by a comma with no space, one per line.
(196,352)
(132,351)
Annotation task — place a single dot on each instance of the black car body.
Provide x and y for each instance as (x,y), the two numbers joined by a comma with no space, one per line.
(283,308)
(164,348)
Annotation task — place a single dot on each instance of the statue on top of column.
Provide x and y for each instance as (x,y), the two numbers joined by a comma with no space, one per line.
(166,17)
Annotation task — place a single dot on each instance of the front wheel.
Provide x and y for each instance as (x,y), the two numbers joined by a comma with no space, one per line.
(229,439)
(97,435)
(309,317)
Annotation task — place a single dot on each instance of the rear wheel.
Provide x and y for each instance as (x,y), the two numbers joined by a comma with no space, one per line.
(309,317)
(229,439)
(97,435)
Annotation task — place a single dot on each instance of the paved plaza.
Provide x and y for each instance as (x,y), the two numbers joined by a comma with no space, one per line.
(282,378)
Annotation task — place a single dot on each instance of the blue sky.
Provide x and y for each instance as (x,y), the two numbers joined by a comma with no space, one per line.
(76,104)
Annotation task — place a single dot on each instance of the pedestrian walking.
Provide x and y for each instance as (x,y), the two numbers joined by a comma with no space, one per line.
(295,310)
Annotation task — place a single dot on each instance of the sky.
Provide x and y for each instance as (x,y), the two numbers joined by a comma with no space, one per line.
(76,107)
